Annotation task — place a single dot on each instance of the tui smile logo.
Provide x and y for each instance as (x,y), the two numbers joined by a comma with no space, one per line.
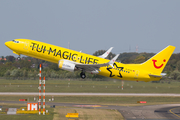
(157,67)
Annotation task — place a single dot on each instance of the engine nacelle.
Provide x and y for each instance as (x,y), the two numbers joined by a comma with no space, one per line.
(66,65)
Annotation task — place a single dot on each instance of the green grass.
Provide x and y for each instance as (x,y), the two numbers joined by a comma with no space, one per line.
(114,100)
(103,100)
(111,86)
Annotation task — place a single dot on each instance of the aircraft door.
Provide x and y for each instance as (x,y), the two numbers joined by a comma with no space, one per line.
(26,44)
(136,74)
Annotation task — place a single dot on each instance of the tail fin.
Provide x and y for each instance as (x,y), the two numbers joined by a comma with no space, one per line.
(157,63)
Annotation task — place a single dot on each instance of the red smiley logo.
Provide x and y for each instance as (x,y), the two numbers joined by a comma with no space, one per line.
(157,67)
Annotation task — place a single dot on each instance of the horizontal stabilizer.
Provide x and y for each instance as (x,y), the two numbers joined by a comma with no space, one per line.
(163,74)
(151,75)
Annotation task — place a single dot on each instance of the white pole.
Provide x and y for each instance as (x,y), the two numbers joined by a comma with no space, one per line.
(44,97)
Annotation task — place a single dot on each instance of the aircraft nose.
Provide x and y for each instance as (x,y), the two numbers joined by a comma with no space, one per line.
(8,44)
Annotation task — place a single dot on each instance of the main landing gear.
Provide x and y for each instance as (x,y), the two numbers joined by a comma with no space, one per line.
(83,75)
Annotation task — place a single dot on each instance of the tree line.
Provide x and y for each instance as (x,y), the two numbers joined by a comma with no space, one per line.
(27,67)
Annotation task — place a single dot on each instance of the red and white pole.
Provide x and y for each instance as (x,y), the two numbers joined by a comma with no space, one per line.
(44,97)
(122,84)
(39,89)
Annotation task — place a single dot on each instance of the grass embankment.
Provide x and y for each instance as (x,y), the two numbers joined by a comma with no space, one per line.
(102,100)
(112,86)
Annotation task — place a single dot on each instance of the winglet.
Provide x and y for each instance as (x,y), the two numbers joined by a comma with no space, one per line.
(106,53)
(113,60)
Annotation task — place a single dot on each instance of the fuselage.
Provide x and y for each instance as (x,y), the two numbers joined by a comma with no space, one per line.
(54,53)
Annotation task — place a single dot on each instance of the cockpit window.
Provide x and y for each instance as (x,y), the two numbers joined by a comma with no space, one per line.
(15,41)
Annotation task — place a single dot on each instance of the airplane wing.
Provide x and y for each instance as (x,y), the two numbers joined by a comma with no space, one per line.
(95,67)
(106,53)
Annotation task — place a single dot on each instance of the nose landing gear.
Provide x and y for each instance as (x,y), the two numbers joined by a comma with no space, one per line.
(19,57)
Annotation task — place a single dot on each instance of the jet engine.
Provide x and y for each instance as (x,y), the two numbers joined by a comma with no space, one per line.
(66,65)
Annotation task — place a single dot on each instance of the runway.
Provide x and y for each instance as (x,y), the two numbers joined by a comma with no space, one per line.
(94,94)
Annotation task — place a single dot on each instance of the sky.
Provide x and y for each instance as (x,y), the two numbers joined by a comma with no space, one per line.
(92,25)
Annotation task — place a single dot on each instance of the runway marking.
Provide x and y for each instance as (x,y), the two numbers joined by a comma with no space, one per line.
(89,106)
(173,112)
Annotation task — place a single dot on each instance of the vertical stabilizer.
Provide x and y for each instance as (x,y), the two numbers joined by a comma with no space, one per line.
(157,63)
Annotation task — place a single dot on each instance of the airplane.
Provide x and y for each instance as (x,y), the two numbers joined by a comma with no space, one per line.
(71,60)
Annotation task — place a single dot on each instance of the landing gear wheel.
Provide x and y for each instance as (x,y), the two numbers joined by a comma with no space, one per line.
(19,57)
(83,75)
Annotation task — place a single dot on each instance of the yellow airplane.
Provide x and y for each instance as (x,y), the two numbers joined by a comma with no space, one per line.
(71,60)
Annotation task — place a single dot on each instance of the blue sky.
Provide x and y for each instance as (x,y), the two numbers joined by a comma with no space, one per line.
(92,25)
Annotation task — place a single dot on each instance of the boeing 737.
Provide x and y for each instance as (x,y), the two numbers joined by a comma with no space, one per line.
(71,60)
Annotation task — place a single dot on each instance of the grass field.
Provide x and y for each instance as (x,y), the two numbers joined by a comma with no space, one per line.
(111,86)
(102,100)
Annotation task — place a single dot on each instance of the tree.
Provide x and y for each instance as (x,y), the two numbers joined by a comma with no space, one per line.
(139,59)
(7,73)
(25,64)
(15,73)
(2,59)
(178,65)
(30,74)
(25,74)
(54,67)
(178,78)
(174,75)
(35,74)
(172,63)
(10,58)
(54,74)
